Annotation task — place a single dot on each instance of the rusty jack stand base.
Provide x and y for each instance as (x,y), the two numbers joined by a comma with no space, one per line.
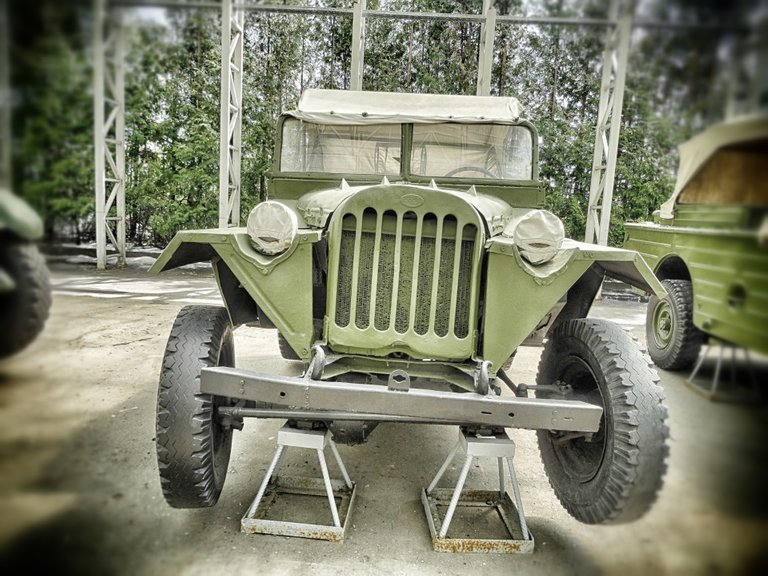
(255,522)
(501,447)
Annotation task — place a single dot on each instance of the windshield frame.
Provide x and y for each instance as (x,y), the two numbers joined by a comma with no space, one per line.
(406,148)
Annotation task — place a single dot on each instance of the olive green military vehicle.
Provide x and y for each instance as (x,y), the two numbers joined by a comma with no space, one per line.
(708,245)
(25,291)
(403,256)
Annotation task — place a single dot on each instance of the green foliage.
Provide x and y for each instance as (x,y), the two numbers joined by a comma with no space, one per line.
(52,122)
(172,100)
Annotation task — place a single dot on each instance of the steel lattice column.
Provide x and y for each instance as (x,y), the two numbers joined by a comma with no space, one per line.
(609,121)
(230,144)
(485,56)
(358,45)
(109,128)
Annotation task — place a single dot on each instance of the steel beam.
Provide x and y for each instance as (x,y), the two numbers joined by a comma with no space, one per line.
(615,56)
(109,131)
(304,394)
(485,53)
(358,46)
(231,99)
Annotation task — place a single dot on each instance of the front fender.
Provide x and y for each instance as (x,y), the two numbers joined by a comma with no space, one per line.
(521,298)
(279,287)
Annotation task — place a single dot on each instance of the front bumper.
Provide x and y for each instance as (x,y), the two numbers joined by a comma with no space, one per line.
(308,399)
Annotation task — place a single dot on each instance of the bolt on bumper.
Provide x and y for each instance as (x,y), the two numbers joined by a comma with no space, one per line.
(305,398)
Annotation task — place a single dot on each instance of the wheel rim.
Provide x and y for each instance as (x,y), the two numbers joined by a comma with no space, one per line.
(663,324)
(581,458)
(221,436)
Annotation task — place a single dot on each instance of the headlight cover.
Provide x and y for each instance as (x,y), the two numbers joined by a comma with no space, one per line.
(272,227)
(538,235)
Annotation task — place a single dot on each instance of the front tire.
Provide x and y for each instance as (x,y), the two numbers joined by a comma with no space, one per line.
(193,446)
(673,341)
(24,310)
(615,476)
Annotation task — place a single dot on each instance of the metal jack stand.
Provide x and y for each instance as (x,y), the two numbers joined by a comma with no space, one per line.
(501,447)
(739,371)
(255,520)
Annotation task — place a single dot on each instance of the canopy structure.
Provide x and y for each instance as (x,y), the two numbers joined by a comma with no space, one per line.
(697,151)
(362,107)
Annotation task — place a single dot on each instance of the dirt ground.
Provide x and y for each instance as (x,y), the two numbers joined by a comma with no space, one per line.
(80,489)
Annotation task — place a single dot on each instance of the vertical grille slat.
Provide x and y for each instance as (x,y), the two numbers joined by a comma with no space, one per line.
(404,289)
(375,269)
(344,282)
(461,324)
(417,253)
(437,268)
(405,277)
(457,255)
(356,268)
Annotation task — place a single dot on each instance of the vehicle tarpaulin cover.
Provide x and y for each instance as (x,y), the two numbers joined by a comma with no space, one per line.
(360,107)
(698,150)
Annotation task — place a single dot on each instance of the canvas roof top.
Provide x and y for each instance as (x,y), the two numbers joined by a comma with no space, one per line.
(361,107)
(698,150)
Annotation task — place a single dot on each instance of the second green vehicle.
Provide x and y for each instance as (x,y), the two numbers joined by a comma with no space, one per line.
(708,245)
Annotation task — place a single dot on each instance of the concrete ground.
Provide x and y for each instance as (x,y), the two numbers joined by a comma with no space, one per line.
(80,490)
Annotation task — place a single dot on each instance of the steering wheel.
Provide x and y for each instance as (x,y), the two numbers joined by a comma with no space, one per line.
(478,169)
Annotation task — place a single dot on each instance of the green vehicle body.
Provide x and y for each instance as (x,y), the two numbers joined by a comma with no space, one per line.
(17,220)
(404,270)
(713,232)
(403,256)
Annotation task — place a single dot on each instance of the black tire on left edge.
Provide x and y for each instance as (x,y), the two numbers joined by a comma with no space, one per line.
(24,310)
(613,478)
(193,447)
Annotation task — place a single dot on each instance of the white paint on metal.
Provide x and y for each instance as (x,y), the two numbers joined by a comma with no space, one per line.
(358,45)
(485,56)
(231,99)
(109,131)
(615,56)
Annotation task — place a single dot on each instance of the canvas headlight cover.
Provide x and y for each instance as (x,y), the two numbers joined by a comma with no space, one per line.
(538,235)
(272,227)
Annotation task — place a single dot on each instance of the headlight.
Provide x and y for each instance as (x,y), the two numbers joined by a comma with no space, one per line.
(538,235)
(272,227)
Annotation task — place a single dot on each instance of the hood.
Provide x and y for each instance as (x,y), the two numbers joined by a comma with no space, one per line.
(317,207)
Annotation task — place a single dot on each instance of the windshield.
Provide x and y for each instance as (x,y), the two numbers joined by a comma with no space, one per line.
(478,151)
(472,151)
(368,149)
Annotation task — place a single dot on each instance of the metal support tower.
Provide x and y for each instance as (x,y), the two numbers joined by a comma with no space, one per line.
(230,143)
(358,45)
(615,58)
(5,100)
(109,128)
(485,55)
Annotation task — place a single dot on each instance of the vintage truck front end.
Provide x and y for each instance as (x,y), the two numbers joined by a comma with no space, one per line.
(406,286)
